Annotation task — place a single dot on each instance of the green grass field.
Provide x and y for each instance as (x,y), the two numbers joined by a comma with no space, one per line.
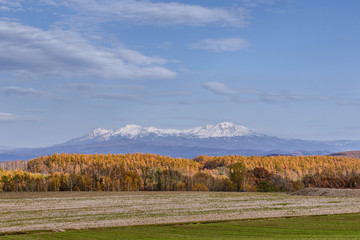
(345,226)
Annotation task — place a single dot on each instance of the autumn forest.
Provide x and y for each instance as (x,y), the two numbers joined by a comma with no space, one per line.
(149,172)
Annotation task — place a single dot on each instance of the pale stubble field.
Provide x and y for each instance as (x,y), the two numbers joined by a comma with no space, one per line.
(79,210)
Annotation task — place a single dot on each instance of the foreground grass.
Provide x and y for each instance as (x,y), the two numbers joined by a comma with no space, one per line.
(345,226)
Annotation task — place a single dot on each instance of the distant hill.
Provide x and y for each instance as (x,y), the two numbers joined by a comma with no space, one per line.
(353,154)
(213,140)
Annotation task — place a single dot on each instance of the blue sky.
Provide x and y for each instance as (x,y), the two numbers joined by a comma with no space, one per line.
(281,67)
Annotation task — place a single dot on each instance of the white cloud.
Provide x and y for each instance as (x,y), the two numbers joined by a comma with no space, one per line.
(65,54)
(154,13)
(221,45)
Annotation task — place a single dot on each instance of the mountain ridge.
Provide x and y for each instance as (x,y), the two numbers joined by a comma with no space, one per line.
(223,129)
(216,140)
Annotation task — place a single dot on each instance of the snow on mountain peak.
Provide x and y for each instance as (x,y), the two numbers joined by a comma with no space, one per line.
(98,132)
(224,129)
(130,131)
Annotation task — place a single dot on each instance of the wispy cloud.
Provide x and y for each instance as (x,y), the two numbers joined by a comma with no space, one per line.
(255,3)
(125,97)
(219,88)
(172,93)
(10,117)
(125,92)
(165,45)
(28,92)
(152,13)
(4,8)
(65,54)
(273,6)
(97,87)
(349,102)
(243,95)
(18,91)
(223,89)
(198,101)
(221,45)
(145,97)
(10,5)
(34,110)
(291,98)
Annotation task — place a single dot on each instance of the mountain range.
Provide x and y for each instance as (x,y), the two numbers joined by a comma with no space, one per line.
(221,139)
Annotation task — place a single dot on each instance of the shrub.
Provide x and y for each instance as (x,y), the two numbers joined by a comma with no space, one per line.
(267,186)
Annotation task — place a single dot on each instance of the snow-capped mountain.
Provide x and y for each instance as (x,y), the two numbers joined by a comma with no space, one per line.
(224,129)
(216,140)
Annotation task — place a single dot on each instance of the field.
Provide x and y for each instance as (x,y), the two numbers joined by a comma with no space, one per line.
(344,226)
(57,211)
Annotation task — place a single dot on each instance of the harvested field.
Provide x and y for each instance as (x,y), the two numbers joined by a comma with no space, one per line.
(329,192)
(79,210)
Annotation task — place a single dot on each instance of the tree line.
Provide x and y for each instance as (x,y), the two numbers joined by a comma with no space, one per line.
(150,172)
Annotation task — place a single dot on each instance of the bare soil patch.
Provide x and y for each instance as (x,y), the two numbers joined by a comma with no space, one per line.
(79,210)
(330,192)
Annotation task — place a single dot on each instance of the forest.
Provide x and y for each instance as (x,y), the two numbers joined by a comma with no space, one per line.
(150,172)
